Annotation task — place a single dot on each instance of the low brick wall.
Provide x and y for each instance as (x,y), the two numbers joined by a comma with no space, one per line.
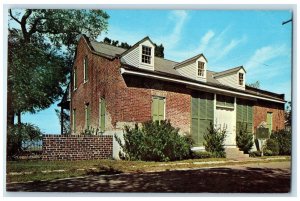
(77,147)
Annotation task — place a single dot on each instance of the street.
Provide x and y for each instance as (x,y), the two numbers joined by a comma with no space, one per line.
(272,177)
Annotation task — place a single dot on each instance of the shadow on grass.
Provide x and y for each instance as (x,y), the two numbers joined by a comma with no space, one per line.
(214,180)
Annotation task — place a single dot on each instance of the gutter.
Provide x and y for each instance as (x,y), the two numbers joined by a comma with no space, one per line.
(130,72)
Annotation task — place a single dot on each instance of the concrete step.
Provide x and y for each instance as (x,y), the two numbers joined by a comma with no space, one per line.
(235,153)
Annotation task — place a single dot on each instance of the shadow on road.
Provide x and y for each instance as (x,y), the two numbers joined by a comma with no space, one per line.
(214,180)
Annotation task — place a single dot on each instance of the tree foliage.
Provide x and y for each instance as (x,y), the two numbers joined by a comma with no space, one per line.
(288,114)
(214,140)
(159,49)
(154,141)
(284,140)
(254,84)
(20,137)
(41,51)
(244,140)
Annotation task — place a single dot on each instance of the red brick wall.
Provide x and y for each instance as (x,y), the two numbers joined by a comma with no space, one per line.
(261,108)
(73,147)
(127,100)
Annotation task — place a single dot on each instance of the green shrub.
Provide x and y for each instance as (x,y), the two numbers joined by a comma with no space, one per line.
(154,141)
(268,152)
(18,136)
(201,154)
(272,146)
(254,153)
(214,140)
(244,140)
(284,140)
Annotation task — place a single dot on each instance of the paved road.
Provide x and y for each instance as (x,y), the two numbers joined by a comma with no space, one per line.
(251,178)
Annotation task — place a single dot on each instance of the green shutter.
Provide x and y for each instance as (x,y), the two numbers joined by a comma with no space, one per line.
(74,120)
(158,108)
(75,78)
(202,108)
(244,113)
(161,109)
(87,115)
(269,121)
(250,119)
(102,114)
(210,109)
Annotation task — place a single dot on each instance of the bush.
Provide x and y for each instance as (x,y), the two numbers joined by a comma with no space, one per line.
(214,141)
(272,145)
(268,152)
(244,140)
(284,140)
(201,154)
(255,154)
(20,135)
(154,141)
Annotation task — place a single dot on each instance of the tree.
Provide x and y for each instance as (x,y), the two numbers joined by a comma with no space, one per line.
(288,114)
(159,49)
(64,120)
(254,85)
(41,54)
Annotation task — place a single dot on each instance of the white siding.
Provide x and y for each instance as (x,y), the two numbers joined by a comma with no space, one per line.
(190,70)
(134,57)
(232,79)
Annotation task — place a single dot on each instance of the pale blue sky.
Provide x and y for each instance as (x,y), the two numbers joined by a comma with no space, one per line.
(255,39)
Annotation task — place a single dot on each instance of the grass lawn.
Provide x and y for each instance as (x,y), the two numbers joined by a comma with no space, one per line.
(32,169)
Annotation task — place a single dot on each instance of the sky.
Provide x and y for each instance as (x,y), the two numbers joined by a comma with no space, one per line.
(255,39)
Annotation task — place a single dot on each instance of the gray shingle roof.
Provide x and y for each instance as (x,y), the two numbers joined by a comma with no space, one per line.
(189,60)
(232,70)
(167,66)
(106,49)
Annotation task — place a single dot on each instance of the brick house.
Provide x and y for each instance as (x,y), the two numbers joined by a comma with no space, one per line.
(111,87)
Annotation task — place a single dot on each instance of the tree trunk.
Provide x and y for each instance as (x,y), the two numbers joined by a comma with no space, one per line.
(19,117)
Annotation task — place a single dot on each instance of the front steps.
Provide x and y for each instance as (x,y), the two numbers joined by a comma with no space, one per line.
(235,153)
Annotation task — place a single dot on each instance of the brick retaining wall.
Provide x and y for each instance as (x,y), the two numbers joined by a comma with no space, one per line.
(77,147)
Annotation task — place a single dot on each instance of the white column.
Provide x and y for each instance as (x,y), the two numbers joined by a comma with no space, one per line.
(215,108)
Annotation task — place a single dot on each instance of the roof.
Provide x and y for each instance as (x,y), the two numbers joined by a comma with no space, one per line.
(190,60)
(232,70)
(107,49)
(167,67)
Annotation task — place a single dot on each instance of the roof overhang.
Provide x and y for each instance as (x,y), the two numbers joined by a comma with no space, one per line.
(199,85)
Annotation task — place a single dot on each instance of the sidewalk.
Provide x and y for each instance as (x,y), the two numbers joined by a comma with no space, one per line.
(204,164)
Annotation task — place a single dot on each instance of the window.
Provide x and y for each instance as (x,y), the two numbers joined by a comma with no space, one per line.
(87,112)
(225,101)
(74,79)
(200,68)
(146,54)
(102,111)
(74,120)
(85,69)
(269,121)
(241,79)
(158,108)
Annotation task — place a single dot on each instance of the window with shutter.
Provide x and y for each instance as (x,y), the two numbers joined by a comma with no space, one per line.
(158,108)
(74,120)
(102,111)
(202,107)
(269,121)
(87,115)
(85,69)
(74,79)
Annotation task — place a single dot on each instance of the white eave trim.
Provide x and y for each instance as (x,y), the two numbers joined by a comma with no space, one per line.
(125,71)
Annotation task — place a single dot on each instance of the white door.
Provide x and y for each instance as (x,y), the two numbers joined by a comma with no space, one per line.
(225,118)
